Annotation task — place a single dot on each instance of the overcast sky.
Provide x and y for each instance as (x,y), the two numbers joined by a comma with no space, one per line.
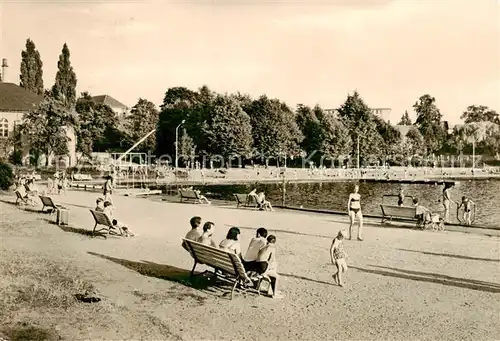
(301,52)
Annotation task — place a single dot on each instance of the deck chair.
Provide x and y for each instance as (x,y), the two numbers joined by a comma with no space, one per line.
(21,198)
(48,202)
(102,219)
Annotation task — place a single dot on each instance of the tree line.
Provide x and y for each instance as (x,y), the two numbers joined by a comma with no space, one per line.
(237,125)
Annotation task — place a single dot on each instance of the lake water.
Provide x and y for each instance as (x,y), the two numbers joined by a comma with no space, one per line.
(334,195)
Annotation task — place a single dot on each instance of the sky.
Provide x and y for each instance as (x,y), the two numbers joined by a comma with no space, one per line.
(310,52)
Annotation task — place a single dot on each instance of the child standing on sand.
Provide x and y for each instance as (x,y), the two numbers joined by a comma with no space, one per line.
(338,257)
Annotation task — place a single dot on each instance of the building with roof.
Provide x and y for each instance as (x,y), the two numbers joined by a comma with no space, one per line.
(120,109)
(15,101)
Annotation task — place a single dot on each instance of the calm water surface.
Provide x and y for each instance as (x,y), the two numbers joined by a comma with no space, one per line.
(334,195)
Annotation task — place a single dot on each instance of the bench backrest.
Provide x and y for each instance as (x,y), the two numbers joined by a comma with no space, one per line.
(188,194)
(47,201)
(399,211)
(217,258)
(241,198)
(101,218)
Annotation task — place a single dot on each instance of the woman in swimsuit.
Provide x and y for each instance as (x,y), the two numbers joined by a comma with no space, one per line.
(354,210)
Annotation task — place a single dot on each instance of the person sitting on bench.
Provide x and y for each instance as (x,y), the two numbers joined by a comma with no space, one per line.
(193,234)
(263,203)
(206,237)
(266,264)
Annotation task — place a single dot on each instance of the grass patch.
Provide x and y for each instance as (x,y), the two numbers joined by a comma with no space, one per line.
(32,281)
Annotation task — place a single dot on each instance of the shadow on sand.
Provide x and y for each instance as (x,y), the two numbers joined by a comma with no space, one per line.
(433,278)
(451,255)
(307,279)
(199,282)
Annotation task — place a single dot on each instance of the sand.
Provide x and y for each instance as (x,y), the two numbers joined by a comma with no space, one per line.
(401,284)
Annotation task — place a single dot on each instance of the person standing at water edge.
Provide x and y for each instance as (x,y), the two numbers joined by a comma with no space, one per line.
(467,204)
(401,197)
(354,210)
(447,201)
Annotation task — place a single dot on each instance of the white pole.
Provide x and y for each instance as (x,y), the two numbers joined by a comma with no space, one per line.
(473,154)
(135,145)
(177,144)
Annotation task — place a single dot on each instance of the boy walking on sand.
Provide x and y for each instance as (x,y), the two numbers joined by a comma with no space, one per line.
(338,257)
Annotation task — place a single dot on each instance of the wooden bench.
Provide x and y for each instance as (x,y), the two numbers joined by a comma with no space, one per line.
(102,219)
(48,202)
(189,195)
(398,212)
(245,200)
(220,260)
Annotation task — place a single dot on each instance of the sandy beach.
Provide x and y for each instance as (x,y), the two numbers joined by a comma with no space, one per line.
(401,284)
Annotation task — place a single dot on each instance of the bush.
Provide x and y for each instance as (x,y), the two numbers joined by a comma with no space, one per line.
(6,176)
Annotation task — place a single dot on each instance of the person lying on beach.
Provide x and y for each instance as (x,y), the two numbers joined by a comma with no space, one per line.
(338,257)
(468,205)
(108,210)
(206,237)
(193,234)
(231,243)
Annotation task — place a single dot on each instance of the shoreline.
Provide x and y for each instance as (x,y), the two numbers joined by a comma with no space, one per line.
(313,179)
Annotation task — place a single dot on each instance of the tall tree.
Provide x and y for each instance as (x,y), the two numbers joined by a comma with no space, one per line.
(64,87)
(143,119)
(31,69)
(95,119)
(414,143)
(179,104)
(310,127)
(228,129)
(45,127)
(405,119)
(480,113)
(335,139)
(274,128)
(361,124)
(187,148)
(391,137)
(429,122)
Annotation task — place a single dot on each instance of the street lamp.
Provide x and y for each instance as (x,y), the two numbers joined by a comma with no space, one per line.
(177,144)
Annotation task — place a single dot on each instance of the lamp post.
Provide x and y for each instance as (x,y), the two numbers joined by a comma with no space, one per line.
(177,144)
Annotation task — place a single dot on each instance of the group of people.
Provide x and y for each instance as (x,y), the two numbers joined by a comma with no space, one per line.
(427,216)
(57,183)
(260,199)
(259,259)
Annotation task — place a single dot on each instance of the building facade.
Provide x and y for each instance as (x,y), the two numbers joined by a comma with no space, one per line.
(120,109)
(15,101)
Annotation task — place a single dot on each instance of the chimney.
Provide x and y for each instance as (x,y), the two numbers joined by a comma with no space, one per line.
(4,66)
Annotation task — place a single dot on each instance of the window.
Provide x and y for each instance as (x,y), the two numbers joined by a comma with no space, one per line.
(4,128)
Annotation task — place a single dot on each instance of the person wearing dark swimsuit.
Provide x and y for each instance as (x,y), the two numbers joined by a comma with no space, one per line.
(354,210)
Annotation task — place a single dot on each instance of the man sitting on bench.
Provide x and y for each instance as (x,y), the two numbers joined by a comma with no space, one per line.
(266,264)
(193,234)
(206,237)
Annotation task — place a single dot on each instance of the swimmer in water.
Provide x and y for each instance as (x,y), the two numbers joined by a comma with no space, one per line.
(354,210)
(467,204)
